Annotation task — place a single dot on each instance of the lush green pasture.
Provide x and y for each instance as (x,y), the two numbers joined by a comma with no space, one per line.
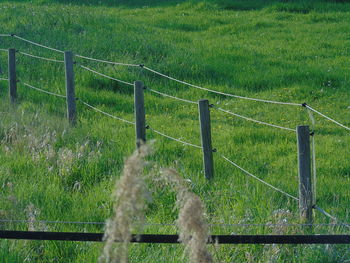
(285,51)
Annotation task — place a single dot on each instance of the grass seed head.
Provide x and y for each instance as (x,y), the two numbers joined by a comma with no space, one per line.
(130,202)
(193,231)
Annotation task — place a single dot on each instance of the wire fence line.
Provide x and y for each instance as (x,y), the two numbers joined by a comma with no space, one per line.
(106,76)
(133,123)
(43,91)
(328,118)
(183,82)
(244,225)
(4,79)
(164,94)
(36,44)
(313,155)
(223,110)
(174,139)
(105,113)
(253,120)
(5,35)
(42,58)
(108,62)
(4,50)
(219,92)
(170,96)
(330,216)
(257,178)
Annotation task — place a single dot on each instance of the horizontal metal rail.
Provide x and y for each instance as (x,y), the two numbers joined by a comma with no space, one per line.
(174,239)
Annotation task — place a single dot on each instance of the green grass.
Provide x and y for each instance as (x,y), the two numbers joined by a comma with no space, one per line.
(279,50)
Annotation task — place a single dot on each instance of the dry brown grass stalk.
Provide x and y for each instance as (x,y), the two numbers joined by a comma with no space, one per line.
(130,202)
(193,231)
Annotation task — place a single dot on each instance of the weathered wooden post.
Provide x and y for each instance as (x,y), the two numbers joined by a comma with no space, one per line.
(140,119)
(304,169)
(204,118)
(70,90)
(12,74)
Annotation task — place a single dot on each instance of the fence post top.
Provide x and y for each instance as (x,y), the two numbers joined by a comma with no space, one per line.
(303,128)
(68,53)
(138,82)
(203,101)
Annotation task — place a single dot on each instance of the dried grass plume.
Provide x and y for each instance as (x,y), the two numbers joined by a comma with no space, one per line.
(130,202)
(193,231)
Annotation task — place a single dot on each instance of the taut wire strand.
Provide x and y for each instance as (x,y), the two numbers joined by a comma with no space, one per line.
(328,118)
(257,178)
(42,58)
(37,44)
(219,92)
(330,216)
(170,96)
(105,113)
(106,76)
(44,91)
(174,139)
(173,224)
(256,121)
(108,62)
(314,169)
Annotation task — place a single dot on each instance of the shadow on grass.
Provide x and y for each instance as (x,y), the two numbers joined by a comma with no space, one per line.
(110,3)
(292,6)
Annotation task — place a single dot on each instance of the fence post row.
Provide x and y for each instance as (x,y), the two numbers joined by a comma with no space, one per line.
(70,90)
(140,119)
(304,170)
(204,118)
(12,74)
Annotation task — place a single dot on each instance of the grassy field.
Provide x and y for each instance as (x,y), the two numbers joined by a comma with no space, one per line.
(285,51)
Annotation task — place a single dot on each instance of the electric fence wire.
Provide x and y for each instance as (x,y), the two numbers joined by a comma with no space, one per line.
(314,169)
(108,62)
(105,113)
(223,110)
(245,225)
(219,92)
(183,82)
(4,50)
(148,127)
(43,91)
(106,76)
(37,44)
(257,178)
(170,96)
(180,81)
(253,120)
(328,118)
(188,84)
(42,58)
(174,139)
(330,216)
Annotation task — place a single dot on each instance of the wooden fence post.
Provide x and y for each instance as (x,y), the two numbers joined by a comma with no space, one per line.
(70,90)
(204,118)
(140,119)
(304,169)
(12,74)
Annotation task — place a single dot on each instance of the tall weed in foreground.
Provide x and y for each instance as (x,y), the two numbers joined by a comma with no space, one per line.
(130,196)
(130,202)
(194,233)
